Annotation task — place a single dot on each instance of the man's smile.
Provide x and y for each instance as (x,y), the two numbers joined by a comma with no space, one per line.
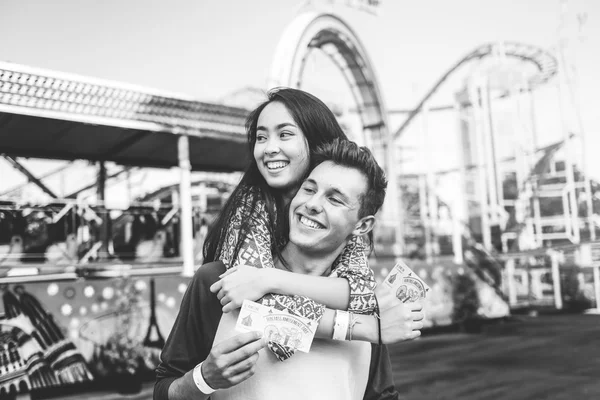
(310,223)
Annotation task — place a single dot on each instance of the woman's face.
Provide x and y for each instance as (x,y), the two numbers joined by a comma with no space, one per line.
(281,149)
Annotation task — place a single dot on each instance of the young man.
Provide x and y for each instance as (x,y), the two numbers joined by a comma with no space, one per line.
(344,190)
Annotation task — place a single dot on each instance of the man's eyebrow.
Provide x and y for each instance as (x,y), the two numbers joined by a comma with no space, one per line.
(280,126)
(343,195)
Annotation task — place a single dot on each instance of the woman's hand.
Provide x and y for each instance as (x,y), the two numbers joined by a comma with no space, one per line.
(240,283)
(399,321)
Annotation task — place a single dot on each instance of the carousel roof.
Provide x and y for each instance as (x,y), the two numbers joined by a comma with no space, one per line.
(47,114)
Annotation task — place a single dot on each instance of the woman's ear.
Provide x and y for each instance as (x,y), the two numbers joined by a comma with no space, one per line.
(364,225)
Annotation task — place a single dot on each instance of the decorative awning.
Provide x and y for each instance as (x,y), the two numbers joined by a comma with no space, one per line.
(46,114)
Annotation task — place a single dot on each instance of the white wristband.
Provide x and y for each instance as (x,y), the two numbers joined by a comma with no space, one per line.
(199,380)
(340,327)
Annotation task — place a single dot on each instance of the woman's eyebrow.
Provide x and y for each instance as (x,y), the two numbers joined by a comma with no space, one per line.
(280,126)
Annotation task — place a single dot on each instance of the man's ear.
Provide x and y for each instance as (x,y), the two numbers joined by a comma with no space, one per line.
(364,225)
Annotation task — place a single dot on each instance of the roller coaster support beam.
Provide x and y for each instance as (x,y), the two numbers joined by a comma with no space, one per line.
(510,279)
(597,287)
(108,177)
(556,281)
(185,190)
(479,139)
(47,175)
(459,207)
(19,167)
(425,188)
(571,210)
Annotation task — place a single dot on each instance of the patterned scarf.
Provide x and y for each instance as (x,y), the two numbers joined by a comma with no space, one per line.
(255,251)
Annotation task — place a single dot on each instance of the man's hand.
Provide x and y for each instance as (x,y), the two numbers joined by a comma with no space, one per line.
(399,321)
(241,283)
(232,361)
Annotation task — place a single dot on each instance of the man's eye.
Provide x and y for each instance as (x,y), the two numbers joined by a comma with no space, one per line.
(335,200)
(308,189)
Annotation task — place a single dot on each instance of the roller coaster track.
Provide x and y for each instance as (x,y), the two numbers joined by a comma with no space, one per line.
(545,63)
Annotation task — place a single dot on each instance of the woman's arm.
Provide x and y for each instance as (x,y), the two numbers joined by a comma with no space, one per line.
(350,286)
(399,321)
(243,282)
(353,265)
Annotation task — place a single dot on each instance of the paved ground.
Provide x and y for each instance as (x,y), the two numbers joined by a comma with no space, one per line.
(548,357)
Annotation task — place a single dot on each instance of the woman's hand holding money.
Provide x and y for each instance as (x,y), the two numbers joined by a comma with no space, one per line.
(241,283)
(399,321)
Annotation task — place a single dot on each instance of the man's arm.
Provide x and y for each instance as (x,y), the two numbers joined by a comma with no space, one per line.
(229,363)
(380,385)
(191,342)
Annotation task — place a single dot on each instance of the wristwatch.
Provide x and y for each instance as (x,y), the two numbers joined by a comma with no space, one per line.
(199,380)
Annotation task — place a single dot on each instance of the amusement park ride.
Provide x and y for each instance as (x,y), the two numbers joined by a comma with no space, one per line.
(527,224)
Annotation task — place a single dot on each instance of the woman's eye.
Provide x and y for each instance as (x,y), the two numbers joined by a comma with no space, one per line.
(261,138)
(286,134)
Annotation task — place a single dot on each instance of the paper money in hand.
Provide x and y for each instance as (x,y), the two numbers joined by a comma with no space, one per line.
(407,285)
(277,326)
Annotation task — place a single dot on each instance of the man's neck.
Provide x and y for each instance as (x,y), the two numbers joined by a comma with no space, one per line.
(307,263)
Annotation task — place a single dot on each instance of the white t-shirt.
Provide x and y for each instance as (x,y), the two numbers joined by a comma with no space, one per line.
(332,370)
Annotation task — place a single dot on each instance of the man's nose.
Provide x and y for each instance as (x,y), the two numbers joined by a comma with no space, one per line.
(314,204)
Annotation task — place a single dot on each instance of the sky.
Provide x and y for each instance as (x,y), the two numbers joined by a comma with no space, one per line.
(209,49)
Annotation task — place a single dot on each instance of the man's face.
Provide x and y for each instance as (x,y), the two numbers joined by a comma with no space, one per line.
(324,212)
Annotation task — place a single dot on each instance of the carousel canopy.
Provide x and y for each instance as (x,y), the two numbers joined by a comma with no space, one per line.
(45,114)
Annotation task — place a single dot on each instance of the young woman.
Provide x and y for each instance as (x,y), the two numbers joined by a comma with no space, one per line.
(253,225)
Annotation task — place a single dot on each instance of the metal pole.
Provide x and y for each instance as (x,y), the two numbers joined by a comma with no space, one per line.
(104,229)
(430,198)
(185,189)
(478,139)
(537,218)
(395,193)
(491,164)
(459,206)
(568,147)
(32,178)
(423,211)
(512,290)
(556,281)
(597,286)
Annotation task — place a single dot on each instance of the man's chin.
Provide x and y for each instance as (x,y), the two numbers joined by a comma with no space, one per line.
(303,240)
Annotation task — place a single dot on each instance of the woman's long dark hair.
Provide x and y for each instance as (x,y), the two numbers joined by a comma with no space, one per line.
(319,126)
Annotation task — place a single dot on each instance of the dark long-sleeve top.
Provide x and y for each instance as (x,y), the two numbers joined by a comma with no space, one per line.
(193,333)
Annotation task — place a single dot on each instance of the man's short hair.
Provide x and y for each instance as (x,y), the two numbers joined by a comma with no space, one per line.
(348,154)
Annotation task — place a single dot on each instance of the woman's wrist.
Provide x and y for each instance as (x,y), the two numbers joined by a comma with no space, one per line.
(270,277)
(366,329)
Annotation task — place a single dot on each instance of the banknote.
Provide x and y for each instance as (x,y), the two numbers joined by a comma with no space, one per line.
(407,285)
(278,326)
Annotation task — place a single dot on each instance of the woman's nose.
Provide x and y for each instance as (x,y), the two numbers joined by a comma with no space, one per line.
(272,147)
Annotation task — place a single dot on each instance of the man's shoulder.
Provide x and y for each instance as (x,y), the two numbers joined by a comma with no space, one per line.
(208,273)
